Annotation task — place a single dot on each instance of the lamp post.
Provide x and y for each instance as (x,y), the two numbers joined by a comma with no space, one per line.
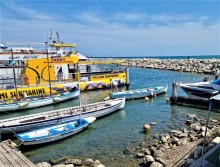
(216,98)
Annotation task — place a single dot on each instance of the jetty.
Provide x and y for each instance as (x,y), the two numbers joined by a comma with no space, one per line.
(12,157)
(205,66)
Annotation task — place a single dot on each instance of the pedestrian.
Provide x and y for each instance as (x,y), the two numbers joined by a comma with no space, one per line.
(216,74)
(206,79)
(114,86)
(60,74)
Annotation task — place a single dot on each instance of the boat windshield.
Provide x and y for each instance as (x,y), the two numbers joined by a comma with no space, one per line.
(216,82)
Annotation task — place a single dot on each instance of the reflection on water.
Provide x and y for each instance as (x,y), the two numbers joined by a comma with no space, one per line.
(107,137)
(122,114)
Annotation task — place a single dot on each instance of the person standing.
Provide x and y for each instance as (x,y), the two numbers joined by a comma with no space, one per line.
(60,74)
(114,86)
(216,74)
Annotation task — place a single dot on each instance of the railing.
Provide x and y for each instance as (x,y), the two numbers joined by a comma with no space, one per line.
(7,81)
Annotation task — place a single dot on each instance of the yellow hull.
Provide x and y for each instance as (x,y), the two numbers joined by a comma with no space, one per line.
(94,85)
(45,90)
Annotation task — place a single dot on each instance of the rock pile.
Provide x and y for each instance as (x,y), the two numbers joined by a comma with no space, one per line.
(206,66)
(174,147)
(71,162)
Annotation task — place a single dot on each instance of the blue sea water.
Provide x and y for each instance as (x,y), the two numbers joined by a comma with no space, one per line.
(107,137)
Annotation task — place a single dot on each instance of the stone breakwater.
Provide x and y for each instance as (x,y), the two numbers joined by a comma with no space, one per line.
(179,147)
(206,66)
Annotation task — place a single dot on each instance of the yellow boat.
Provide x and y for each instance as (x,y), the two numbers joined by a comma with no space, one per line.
(39,75)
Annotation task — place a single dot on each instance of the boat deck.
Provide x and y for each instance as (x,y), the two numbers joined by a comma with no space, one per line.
(11,157)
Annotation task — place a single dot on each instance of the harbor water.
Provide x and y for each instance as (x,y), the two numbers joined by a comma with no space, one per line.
(107,137)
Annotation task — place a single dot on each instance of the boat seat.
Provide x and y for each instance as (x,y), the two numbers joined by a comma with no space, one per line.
(25,137)
(108,104)
(81,121)
(53,131)
(69,126)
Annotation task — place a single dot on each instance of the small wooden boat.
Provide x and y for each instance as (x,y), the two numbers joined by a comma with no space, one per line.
(33,102)
(55,132)
(33,121)
(140,93)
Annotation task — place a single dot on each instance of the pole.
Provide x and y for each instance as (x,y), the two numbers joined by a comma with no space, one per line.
(79,99)
(174,89)
(127,78)
(13,66)
(48,66)
(0,133)
(207,123)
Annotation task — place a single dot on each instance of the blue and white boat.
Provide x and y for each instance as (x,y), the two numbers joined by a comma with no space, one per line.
(49,118)
(55,132)
(140,93)
(34,102)
(201,89)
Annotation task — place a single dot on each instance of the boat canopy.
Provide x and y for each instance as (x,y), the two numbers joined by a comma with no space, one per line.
(216,82)
(62,45)
(101,62)
(80,56)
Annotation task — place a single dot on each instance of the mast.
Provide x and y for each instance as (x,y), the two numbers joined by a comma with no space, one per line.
(80,103)
(48,66)
(13,67)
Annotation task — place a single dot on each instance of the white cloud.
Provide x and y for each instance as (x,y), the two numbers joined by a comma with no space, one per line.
(129,16)
(99,35)
(29,13)
(90,18)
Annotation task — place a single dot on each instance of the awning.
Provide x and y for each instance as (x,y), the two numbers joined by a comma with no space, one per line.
(62,45)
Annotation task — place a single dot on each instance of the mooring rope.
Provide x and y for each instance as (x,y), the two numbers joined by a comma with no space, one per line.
(13,133)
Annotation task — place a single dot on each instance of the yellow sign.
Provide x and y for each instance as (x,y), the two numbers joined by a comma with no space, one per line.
(32,91)
(111,75)
(105,76)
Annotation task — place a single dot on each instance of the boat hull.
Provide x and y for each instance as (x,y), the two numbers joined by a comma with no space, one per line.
(201,89)
(48,140)
(34,103)
(51,137)
(140,93)
(193,91)
(25,123)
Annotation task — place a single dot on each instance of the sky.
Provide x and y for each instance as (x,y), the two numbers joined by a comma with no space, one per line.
(120,28)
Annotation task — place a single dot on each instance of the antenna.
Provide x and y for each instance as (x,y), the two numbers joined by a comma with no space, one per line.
(51,34)
(58,38)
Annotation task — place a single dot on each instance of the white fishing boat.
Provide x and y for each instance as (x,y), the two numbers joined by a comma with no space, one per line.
(34,102)
(55,132)
(140,93)
(32,121)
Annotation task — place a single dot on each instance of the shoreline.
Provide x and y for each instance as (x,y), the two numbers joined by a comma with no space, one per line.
(179,147)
